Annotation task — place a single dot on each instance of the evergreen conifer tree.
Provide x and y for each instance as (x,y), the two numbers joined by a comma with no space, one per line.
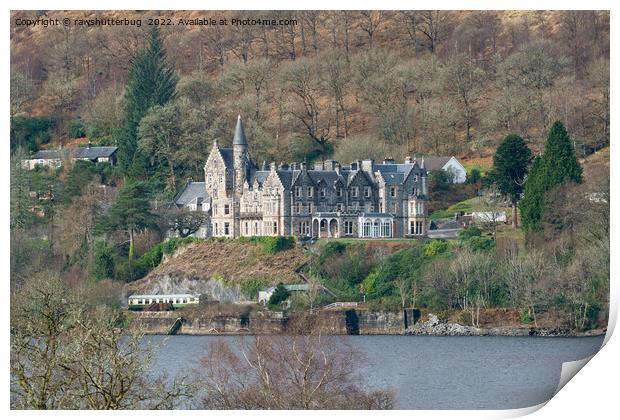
(151,82)
(557,165)
(510,168)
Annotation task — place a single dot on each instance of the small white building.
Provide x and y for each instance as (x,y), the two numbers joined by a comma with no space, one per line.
(449,164)
(489,216)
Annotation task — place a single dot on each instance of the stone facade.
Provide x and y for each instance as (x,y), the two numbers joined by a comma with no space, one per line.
(362,200)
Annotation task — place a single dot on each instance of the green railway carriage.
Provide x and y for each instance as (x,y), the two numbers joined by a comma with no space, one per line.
(143,302)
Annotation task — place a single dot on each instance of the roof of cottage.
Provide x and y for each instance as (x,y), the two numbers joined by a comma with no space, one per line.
(91,153)
(436,163)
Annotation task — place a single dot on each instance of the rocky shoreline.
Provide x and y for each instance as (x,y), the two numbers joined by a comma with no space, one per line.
(434,326)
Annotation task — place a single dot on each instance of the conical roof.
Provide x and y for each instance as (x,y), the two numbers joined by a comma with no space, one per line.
(239,133)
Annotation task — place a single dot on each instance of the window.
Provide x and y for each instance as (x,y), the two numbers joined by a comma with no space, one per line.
(339,191)
(275,228)
(226,228)
(339,207)
(221,179)
(309,191)
(387,230)
(323,192)
(309,208)
(297,191)
(215,209)
(226,209)
(354,191)
(416,227)
(366,192)
(348,227)
(256,228)
(209,178)
(392,191)
(366,231)
(247,230)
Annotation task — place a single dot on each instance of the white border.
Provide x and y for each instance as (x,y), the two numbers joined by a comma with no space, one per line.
(593,394)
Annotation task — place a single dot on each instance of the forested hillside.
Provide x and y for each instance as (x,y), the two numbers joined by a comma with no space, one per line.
(343,84)
(520,97)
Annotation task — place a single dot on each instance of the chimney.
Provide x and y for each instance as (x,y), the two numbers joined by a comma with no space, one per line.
(388,160)
(407,159)
(337,167)
(273,167)
(264,166)
(88,145)
(302,166)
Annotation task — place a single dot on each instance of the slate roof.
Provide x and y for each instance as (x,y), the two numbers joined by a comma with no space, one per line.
(191,192)
(260,176)
(91,153)
(227,155)
(436,163)
(286,177)
(239,137)
(330,177)
(394,178)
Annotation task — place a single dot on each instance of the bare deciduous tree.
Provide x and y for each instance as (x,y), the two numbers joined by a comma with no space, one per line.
(287,372)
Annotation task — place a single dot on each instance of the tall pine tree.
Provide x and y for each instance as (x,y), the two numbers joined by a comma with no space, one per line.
(557,165)
(510,168)
(151,82)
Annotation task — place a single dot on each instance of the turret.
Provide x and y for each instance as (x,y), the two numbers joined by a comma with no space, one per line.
(240,156)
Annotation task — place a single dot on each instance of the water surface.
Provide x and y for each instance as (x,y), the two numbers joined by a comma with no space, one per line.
(435,372)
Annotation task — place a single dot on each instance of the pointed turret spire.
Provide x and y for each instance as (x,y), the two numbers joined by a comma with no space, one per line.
(239,133)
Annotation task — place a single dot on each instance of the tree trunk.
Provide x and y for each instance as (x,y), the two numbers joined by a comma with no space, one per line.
(514,214)
(130,245)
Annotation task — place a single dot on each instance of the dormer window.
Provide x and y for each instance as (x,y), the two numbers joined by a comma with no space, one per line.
(297,191)
(366,192)
(354,192)
(339,191)
(309,191)
(323,192)
(392,191)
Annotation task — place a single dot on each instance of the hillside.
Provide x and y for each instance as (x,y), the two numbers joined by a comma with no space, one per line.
(197,267)
(343,84)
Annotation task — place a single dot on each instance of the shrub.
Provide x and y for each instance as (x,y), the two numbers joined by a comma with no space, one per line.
(76,129)
(480,243)
(103,263)
(469,232)
(435,247)
(271,244)
(439,180)
(30,132)
(251,287)
(280,294)
(474,176)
